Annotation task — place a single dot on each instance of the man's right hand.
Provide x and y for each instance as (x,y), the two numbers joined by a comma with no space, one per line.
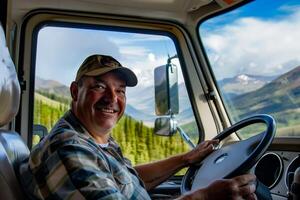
(238,188)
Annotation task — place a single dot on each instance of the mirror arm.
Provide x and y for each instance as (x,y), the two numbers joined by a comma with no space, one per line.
(186,138)
(170,58)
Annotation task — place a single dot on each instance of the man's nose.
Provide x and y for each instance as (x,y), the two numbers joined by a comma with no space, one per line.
(110,96)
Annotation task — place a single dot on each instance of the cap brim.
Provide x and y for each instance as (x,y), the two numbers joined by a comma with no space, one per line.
(126,74)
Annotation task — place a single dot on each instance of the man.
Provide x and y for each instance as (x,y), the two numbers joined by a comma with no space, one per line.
(80,160)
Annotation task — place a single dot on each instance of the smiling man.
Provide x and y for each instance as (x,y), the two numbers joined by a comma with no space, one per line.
(80,160)
(99,101)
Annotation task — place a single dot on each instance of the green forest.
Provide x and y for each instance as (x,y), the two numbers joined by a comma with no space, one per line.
(137,141)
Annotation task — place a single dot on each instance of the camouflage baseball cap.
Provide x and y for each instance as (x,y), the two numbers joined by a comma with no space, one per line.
(96,65)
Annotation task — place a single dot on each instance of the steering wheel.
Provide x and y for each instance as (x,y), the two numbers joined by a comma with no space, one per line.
(233,159)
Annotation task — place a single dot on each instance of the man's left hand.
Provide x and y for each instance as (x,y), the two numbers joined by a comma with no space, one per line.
(200,151)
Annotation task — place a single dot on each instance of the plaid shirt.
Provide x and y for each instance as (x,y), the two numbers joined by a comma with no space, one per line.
(69,164)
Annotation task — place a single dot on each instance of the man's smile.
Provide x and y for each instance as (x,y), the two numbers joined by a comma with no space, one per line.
(106,109)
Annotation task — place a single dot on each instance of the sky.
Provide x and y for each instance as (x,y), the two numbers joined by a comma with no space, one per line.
(64,49)
(261,37)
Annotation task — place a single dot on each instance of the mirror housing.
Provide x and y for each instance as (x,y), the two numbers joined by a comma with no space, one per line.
(165,126)
(166,89)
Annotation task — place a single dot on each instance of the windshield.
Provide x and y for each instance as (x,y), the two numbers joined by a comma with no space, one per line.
(254,54)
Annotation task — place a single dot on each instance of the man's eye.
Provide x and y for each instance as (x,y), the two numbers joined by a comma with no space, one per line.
(99,86)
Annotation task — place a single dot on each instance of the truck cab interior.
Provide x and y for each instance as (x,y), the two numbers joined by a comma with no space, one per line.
(225,69)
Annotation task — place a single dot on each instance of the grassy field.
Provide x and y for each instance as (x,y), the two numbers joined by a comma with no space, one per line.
(47,100)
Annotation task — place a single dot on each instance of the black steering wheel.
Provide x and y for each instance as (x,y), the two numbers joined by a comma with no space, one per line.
(233,159)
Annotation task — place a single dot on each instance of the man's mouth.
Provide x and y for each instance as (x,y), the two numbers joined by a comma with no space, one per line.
(106,109)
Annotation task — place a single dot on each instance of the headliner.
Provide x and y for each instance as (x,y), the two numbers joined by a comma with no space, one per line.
(175,10)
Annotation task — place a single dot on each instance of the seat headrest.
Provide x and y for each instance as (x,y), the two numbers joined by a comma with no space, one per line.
(9,84)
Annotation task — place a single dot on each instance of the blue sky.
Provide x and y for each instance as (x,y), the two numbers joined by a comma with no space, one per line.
(262,9)
(268,8)
(263,33)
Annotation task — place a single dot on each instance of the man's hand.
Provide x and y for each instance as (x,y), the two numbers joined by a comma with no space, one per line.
(238,188)
(156,172)
(200,152)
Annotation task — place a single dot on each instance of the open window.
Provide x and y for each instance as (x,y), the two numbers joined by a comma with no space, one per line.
(60,49)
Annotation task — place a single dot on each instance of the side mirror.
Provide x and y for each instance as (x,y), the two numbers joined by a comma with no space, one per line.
(166,89)
(165,126)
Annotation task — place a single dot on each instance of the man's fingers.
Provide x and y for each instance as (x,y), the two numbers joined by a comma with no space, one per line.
(245,179)
(214,142)
(208,146)
(208,143)
(247,190)
(246,186)
(251,197)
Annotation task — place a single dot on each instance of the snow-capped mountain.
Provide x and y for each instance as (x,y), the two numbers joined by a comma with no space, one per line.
(243,83)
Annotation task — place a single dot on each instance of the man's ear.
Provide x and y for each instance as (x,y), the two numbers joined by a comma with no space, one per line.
(74,90)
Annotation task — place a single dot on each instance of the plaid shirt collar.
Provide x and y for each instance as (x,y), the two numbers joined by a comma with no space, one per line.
(78,126)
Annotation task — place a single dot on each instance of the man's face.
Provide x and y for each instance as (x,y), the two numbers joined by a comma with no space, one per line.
(99,102)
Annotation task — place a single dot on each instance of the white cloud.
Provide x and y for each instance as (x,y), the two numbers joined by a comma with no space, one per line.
(133,38)
(151,57)
(140,37)
(255,46)
(133,51)
(144,69)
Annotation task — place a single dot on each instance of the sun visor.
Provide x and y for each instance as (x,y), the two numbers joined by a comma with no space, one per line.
(9,84)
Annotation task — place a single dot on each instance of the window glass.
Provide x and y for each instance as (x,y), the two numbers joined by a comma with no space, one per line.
(254,53)
(60,51)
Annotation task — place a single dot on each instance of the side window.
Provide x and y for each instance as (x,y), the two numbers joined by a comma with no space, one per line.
(254,54)
(60,51)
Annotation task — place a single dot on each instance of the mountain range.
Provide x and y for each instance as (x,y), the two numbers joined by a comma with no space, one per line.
(51,86)
(280,96)
(248,93)
(243,83)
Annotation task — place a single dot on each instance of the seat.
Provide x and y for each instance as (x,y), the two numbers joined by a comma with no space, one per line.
(12,151)
(12,148)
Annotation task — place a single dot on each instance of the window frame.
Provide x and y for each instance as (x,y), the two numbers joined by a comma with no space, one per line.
(37,19)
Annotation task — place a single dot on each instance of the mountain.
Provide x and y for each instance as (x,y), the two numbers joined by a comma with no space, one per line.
(51,86)
(243,83)
(270,97)
(147,119)
(44,84)
(142,98)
